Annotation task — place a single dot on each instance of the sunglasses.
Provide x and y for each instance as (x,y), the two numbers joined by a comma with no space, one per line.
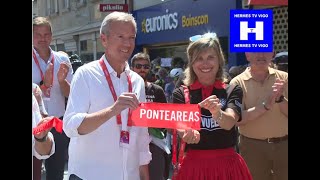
(139,66)
(206,35)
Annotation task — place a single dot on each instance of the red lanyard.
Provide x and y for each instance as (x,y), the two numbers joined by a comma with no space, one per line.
(37,63)
(107,75)
(182,143)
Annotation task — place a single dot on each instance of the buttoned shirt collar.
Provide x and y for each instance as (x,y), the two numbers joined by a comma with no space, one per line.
(247,74)
(111,70)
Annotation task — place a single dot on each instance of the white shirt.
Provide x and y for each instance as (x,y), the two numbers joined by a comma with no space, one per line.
(36,117)
(40,104)
(98,155)
(56,105)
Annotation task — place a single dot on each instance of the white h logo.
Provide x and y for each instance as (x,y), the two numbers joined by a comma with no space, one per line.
(244,30)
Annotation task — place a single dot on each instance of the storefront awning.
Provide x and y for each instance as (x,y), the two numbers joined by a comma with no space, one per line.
(268,2)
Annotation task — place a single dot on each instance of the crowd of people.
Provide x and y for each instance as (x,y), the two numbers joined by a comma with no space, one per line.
(243,131)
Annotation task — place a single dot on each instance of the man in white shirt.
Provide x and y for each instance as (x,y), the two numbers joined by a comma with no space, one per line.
(43,145)
(159,165)
(52,71)
(103,143)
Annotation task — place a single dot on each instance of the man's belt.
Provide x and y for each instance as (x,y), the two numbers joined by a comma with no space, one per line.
(271,140)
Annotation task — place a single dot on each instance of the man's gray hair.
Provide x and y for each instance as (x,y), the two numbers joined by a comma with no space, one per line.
(116,17)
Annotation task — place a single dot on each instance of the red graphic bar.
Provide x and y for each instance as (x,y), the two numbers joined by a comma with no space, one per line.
(167,115)
(268,2)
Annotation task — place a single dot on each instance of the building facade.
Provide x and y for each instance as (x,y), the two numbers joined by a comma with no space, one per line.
(164,26)
(75,25)
(164,29)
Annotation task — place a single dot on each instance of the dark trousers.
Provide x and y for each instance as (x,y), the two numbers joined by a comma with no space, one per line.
(266,161)
(74,177)
(36,164)
(158,169)
(55,163)
(167,165)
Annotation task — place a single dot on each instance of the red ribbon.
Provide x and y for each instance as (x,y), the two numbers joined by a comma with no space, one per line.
(113,92)
(54,122)
(177,163)
(167,115)
(37,63)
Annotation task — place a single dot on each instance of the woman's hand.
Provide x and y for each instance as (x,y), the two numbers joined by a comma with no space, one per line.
(189,136)
(212,103)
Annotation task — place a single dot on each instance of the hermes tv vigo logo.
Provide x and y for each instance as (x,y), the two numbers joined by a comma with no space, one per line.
(244,30)
(251,31)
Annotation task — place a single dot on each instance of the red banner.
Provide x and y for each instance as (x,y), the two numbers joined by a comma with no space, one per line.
(54,122)
(167,115)
(268,2)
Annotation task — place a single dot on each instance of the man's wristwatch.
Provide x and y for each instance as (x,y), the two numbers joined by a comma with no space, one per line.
(43,86)
(265,107)
(41,139)
(280,99)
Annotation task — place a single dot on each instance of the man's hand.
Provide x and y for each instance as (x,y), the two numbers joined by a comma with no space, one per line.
(126,100)
(278,87)
(47,81)
(37,94)
(42,134)
(277,91)
(63,71)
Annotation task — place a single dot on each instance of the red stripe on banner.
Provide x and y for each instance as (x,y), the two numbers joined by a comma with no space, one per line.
(54,122)
(268,2)
(167,115)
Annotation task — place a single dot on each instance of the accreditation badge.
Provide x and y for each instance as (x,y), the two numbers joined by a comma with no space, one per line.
(124,138)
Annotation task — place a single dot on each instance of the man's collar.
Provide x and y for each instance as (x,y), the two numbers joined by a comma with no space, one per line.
(247,74)
(111,70)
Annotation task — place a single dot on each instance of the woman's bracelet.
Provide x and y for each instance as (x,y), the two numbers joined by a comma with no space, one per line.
(219,119)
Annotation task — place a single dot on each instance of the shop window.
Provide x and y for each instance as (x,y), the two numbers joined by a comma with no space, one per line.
(60,47)
(87,57)
(52,7)
(80,3)
(65,5)
(83,45)
(99,54)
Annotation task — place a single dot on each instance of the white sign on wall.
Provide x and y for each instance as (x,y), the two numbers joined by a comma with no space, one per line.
(166,62)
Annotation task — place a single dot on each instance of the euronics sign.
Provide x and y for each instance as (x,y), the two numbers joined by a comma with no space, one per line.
(175,21)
